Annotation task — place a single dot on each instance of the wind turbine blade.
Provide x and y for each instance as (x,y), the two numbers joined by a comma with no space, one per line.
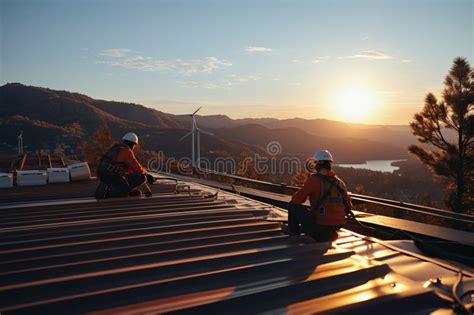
(205,132)
(186,135)
(196,111)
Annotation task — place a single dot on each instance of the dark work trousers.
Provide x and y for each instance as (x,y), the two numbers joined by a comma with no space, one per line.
(300,219)
(121,186)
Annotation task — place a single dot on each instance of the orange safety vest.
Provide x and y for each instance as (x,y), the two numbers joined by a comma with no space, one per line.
(330,208)
(108,163)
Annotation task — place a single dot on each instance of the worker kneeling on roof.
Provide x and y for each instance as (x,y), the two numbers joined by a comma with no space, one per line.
(119,171)
(329,203)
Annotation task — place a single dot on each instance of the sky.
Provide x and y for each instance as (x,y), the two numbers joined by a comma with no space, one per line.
(358,61)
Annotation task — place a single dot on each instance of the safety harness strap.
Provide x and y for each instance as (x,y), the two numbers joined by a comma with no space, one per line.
(321,200)
(323,195)
(109,164)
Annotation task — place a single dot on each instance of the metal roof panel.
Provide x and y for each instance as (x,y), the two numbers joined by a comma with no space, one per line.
(196,253)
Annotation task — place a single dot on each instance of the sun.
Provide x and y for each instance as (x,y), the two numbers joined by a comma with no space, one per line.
(355,104)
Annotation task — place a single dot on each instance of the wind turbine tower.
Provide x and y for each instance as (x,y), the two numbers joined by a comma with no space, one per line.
(195,139)
(20,143)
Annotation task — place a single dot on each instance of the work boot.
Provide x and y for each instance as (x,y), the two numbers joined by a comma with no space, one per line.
(135,193)
(102,191)
(115,192)
(286,230)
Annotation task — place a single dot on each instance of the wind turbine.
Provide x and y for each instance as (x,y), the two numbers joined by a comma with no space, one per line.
(20,143)
(195,133)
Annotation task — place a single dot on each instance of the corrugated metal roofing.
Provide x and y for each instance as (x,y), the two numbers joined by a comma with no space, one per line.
(420,226)
(193,253)
(58,191)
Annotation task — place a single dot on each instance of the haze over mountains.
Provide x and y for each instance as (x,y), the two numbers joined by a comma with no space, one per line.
(48,117)
(397,135)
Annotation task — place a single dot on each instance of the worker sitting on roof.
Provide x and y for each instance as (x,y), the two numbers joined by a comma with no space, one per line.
(120,172)
(329,203)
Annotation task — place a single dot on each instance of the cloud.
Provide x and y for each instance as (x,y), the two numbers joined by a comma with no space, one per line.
(125,59)
(231,80)
(254,49)
(321,59)
(208,65)
(242,79)
(365,38)
(368,54)
(138,63)
(198,85)
(116,52)
(406,60)
(84,49)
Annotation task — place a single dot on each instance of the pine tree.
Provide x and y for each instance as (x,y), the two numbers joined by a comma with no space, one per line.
(451,158)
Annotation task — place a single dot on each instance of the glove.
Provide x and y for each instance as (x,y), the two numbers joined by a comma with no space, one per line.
(351,215)
(149,178)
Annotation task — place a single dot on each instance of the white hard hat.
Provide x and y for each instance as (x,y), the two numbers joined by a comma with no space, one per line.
(323,155)
(131,137)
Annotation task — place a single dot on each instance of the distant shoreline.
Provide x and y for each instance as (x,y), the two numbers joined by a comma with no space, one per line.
(375,165)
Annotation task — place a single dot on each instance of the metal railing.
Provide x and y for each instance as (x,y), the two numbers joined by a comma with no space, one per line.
(371,204)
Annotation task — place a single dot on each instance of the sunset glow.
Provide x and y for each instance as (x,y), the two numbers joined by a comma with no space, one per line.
(355,104)
(336,60)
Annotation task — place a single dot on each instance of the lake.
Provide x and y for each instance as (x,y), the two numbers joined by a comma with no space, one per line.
(375,165)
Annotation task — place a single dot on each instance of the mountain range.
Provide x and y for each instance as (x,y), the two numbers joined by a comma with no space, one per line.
(48,117)
(397,135)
